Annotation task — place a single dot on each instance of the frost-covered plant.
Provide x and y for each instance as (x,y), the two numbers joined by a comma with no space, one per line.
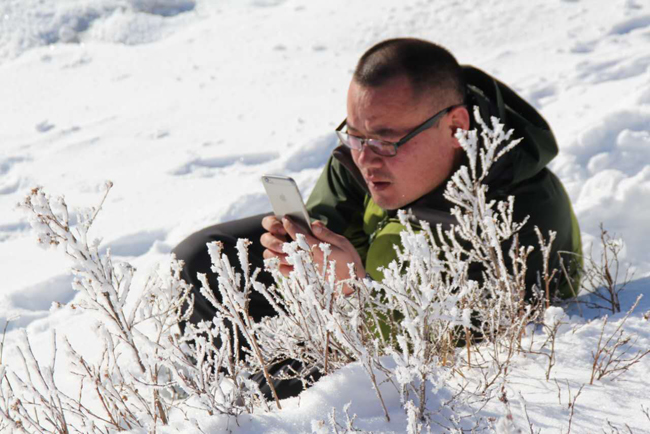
(106,288)
(428,296)
(426,302)
(427,305)
(304,301)
(320,426)
(131,381)
(403,330)
(234,302)
(489,230)
(486,232)
(205,366)
(315,324)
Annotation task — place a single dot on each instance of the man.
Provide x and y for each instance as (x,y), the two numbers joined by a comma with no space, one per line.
(398,150)
(406,101)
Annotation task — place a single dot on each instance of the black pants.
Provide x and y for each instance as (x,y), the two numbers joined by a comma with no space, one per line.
(194,252)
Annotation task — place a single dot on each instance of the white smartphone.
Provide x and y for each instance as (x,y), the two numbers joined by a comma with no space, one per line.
(286,199)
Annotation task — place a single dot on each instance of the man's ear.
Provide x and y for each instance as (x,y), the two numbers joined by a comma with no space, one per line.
(458,119)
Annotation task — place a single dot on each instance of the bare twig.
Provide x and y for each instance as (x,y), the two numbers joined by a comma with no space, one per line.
(572,405)
(610,354)
(531,427)
(646,412)
(604,277)
(4,333)
(569,281)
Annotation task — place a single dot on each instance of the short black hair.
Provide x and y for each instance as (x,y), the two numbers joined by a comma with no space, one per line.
(430,68)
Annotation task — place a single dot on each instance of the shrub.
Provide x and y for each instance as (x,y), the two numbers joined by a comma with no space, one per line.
(403,331)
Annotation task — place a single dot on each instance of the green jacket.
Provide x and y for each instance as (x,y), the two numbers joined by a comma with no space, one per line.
(341,200)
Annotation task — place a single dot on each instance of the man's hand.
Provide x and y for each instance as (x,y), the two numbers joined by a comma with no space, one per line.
(342,250)
(273,239)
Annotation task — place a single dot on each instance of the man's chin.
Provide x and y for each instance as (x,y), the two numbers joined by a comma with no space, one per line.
(384,202)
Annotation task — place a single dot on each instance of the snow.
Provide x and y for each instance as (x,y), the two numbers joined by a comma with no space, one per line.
(184,104)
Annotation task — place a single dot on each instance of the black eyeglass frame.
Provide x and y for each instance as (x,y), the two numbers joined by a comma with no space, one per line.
(422,127)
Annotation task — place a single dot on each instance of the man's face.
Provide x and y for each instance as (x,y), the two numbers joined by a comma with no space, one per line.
(389,112)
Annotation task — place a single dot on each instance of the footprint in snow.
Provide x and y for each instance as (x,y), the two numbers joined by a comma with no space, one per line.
(9,183)
(220,162)
(612,70)
(266,3)
(630,25)
(40,296)
(11,230)
(135,244)
(541,91)
(44,127)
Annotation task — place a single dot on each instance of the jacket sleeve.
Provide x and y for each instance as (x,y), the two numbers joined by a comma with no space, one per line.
(339,201)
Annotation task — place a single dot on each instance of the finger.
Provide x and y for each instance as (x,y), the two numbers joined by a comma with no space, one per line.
(273,224)
(285,269)
(272,242)
(323,234)
(268,221)
(294,228)
(268,254)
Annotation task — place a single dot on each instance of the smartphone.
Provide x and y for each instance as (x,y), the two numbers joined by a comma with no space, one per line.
(286,199)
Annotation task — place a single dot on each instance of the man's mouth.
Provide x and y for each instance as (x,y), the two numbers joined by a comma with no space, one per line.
(378,185)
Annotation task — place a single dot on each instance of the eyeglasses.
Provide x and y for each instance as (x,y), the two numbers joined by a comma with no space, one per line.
(382,147)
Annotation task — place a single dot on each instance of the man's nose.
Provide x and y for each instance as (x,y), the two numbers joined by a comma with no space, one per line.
(368,158)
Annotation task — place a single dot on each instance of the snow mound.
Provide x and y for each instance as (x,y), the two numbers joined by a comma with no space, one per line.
(26,24)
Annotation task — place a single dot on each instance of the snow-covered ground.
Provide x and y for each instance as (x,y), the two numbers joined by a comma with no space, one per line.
(183,104)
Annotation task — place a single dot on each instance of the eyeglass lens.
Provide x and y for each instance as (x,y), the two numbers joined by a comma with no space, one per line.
(356,143)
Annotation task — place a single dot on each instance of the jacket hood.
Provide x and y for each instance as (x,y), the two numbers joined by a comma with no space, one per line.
(538,146)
